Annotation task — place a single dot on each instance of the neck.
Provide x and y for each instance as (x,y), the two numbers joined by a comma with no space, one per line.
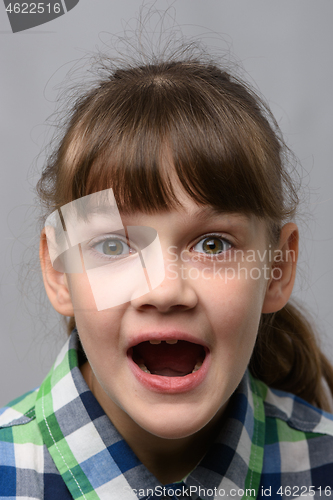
(169,460)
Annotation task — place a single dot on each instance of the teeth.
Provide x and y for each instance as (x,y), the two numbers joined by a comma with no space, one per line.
(197,366)
(170,341)
(144,368)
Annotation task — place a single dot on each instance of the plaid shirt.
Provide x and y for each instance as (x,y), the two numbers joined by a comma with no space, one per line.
(57,443)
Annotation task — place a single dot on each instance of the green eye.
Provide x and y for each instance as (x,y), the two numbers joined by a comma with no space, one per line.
(212,245)
(112,247)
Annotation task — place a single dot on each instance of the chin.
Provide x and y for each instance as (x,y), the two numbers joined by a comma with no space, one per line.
(171,432)
(174,424)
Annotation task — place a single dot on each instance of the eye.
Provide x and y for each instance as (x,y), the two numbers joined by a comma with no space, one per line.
(112,247)
(212,245)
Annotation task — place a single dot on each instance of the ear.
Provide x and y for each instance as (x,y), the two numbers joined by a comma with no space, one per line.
(283,271)
(55,282)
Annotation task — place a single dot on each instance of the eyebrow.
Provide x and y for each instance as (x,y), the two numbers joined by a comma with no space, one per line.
(200,214)
(209,211)
(100,210)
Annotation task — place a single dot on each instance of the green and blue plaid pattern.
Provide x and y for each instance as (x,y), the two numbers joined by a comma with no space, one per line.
(57,443)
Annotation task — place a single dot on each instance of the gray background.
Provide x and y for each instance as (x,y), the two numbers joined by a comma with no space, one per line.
(285,47)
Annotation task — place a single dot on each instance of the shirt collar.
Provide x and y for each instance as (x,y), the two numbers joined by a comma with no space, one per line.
(94,459)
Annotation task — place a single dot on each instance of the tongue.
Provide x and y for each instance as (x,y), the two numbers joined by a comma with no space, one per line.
(169,360)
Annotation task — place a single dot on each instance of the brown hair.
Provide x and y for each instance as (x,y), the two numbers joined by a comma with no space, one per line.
(227,152)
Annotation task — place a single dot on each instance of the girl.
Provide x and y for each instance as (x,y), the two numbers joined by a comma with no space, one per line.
(169,245)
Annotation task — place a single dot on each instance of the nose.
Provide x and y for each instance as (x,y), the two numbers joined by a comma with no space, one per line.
(176,292)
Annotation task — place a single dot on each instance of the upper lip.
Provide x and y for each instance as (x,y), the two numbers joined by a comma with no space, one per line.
(170,335)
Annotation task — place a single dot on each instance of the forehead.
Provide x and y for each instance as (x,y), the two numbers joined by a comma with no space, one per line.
(99,212)
(189,211)
(190,222)
(192,213)
(186,210)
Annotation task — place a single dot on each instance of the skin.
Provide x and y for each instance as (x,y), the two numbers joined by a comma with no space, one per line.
(171,432)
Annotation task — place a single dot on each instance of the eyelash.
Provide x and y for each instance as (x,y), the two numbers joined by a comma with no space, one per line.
(217,237)
(92,246)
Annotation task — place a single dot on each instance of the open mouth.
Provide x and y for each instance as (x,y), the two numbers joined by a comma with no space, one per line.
(168,358)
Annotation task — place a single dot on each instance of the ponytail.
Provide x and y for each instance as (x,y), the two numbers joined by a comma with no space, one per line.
(287,356)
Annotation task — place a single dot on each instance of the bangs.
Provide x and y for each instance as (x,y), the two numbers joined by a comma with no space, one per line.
(149,127)
(143,171)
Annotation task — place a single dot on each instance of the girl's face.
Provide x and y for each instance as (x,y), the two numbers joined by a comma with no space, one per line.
(168,361)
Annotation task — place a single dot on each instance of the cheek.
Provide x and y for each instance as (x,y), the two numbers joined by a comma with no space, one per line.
(81,293)
(234,308)
(92,324)
(234,291)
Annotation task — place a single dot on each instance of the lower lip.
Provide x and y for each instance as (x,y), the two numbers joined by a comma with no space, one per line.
(170,385)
